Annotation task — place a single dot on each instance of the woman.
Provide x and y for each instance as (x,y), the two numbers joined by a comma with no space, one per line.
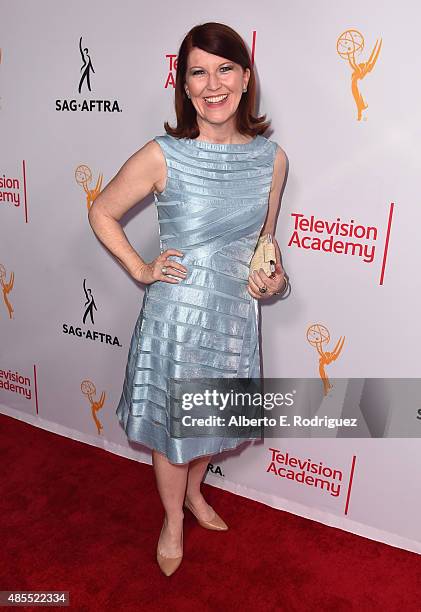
(217,183)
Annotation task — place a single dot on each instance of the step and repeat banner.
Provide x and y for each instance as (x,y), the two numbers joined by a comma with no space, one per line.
(85,85)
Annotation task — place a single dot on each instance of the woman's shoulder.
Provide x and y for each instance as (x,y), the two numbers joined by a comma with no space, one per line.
(279,154)
(280,164)
(166,143)
(164,138)
(271,142)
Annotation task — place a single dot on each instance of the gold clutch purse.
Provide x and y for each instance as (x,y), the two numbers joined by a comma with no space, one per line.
(264,255)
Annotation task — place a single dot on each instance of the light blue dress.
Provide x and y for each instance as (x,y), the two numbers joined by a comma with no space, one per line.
(212,209)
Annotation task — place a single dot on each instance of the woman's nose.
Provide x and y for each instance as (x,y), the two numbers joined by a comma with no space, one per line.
(213,82)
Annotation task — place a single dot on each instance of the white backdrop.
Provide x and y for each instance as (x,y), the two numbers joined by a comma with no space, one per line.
(52,267)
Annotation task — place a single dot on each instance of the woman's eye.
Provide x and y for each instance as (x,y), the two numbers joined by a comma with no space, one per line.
(224,69)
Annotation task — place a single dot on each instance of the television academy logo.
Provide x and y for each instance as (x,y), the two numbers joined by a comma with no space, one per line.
(16,383)
(350,239)
(10,193)
(348,45)
(90,334)
(83,176)
(6,288)
(89,390)
(13,190)
(312,233)
(89,105)
(317,335)
(310,473)
(172,68)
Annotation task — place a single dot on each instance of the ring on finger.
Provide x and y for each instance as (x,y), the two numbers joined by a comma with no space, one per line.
(164,269)
(263,289)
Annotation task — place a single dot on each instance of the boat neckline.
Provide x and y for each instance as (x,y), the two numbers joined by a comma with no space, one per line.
(218,145)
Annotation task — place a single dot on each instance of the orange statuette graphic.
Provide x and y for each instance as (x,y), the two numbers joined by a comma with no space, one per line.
(88,388)
(83,176)
(7,288)
(317,335)
(348,44)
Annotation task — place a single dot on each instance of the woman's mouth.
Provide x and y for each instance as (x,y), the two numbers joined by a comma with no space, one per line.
(216,101)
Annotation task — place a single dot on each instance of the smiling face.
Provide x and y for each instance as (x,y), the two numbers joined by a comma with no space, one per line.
(215,86)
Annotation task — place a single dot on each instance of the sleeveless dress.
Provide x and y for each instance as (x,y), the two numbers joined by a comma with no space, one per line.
(212,209)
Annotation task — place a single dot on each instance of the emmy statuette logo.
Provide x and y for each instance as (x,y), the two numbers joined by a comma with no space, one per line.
(83,176)
(7,287)
(88,388)
(317,336)
(350,43)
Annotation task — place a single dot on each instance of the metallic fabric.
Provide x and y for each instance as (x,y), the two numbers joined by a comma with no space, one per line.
(212,209)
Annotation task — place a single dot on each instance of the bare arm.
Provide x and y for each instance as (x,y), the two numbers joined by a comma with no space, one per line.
(277,282)
(133,182)
(278,179)
(275,197)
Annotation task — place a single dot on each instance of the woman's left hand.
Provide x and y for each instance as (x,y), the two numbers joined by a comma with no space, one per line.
(274,283)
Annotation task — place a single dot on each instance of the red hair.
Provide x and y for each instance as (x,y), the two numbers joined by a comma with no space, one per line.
(218,39)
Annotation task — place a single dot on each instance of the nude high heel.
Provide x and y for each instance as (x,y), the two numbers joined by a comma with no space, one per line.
(168,565)
(216,523)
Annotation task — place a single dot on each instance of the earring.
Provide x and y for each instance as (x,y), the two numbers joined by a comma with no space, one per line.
(244,90)
(188,94)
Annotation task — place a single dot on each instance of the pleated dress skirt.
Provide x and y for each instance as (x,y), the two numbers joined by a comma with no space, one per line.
(212,209)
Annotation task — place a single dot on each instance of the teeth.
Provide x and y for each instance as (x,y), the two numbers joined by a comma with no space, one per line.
(216,98)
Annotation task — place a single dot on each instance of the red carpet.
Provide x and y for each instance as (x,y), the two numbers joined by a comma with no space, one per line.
(77,518)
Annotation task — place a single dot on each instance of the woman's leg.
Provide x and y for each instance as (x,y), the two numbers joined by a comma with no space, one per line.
(197,469)
(171,481)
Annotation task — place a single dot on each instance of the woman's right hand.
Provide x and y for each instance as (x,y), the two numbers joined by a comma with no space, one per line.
(151,272)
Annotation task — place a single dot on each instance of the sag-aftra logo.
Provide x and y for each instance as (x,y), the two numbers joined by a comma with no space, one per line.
(87,313)
(84,84)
